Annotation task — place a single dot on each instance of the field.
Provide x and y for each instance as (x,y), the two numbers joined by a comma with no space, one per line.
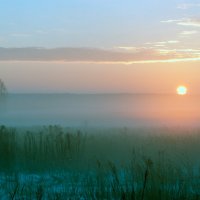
(99,163)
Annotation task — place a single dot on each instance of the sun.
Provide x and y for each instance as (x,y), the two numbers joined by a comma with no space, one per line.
(181,90)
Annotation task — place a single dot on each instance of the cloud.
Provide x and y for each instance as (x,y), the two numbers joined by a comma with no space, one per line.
(76,54)
(170,21)
(172,41)
(127,48)
(181,53)
(91,55)
(186,6)
(190,22)
(195,22)
(189,32)
(163,43)
(166,61)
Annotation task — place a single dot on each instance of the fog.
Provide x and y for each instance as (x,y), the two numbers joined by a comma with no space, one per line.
(99,110)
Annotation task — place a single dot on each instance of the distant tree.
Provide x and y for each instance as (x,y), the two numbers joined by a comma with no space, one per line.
(3,89)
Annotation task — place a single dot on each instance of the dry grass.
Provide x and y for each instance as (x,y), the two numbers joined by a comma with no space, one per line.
(55,163)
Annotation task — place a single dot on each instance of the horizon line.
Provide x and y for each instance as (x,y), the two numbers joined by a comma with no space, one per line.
(97,93)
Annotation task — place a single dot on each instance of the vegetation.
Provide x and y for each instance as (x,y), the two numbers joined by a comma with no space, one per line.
(65,163)
(3,89)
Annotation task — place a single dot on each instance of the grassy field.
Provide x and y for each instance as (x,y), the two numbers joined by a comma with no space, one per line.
(98,163)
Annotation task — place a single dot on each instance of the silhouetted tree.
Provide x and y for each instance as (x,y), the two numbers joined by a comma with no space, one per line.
(3,89)
(3,98)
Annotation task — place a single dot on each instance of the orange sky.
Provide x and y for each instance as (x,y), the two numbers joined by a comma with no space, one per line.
(96,77)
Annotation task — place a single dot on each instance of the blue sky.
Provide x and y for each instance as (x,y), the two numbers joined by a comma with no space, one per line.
(89,23)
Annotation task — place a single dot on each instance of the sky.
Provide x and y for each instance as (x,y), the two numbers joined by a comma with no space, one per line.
(97,46)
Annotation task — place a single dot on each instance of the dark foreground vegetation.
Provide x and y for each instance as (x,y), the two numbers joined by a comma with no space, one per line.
(66,163)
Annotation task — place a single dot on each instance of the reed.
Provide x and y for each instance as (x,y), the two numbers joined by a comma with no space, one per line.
(55,163)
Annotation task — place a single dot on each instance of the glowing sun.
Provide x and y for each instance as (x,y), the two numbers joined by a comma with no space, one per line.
(181,90)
